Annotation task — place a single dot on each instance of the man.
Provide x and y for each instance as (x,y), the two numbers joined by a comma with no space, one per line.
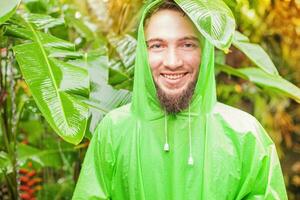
(174,141)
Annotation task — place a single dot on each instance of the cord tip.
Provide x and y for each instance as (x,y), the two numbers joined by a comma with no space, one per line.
(166,147)
(191,161)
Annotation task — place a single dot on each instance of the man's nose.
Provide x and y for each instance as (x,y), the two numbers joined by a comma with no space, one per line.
(172,59)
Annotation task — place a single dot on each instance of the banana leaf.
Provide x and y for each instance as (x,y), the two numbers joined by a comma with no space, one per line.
(121,61)
(255,53)
(213,19)
(7,9)
(103,97)
(125,47)
(47,40)
(56,86)
(268,81)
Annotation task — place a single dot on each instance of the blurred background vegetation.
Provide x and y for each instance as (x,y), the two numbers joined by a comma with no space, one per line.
(36,163)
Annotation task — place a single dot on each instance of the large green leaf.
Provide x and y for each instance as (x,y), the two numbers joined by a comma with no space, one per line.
(22,26)
(121,61)
(125,47)
(18,27)
(103,97)
(7,9)
(56,86)
(269,81)
(255,53)
(213,19)
(53,44)
(119,79)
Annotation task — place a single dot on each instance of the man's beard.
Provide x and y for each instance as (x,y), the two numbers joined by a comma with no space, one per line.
(174,104)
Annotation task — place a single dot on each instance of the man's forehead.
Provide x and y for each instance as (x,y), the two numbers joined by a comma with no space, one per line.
(170,24)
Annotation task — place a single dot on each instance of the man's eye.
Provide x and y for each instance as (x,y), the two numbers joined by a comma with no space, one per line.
(189,45)
(155,46)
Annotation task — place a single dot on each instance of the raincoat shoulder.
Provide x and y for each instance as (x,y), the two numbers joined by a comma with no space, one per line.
(261,175)
(96,175)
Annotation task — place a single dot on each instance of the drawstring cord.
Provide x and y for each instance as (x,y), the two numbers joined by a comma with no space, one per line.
(166,147)
(190,160)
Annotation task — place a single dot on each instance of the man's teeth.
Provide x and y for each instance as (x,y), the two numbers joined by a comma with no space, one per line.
(173,76)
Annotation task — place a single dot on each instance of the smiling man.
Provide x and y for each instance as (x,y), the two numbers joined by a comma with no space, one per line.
(174,56)
(175,141)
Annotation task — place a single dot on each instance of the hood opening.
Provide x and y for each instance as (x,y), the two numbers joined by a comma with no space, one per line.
(145,103)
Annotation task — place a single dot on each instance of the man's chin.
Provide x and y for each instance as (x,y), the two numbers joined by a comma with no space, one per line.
(175,100)
(173,94)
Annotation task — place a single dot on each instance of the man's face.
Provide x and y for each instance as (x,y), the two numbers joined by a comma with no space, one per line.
(174,56)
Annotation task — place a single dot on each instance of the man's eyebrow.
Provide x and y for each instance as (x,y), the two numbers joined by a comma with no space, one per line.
(190,38)
(154,40)
(180,39)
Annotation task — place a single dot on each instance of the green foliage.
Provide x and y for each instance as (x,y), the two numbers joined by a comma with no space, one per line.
(276,83)
(73,108)
(7,9)
(213,19)
(103,97)
(78,63)
(255,53)
(66,103)
(54,191)
(52,84)
(122,57)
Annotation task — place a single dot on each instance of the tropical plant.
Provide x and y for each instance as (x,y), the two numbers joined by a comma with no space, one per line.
(25,136)
(77,59)
(64,105)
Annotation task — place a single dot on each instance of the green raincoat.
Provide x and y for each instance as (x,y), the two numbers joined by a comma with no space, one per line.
(216,152)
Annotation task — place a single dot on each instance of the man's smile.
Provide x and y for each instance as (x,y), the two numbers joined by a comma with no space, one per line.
(173,76)
(174,80)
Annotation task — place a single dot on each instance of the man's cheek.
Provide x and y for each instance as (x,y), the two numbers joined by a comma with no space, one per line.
(154,62)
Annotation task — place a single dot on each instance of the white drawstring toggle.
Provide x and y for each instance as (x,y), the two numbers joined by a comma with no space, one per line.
(166,147)
(191,161)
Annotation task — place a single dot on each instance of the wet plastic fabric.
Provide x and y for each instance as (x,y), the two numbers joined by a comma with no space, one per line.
(234,158)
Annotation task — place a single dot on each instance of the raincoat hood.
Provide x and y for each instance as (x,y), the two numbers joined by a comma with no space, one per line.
(145,103)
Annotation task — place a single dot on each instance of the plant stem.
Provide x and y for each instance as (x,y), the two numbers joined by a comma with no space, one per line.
(8,123)
(13,122)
